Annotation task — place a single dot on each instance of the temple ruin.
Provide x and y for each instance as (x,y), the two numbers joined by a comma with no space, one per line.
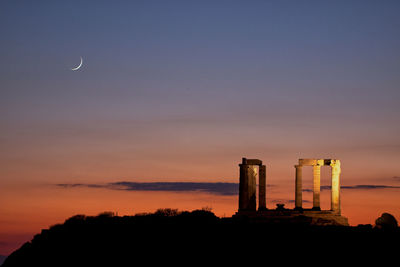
(335,188)
(251,169)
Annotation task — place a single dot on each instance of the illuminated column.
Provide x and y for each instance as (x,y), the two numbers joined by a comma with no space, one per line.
(316,187)
(252,174)
(298,188)
(262,205)
(335,191)
(247,187)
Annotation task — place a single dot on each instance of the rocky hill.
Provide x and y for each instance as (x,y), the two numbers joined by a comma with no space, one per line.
(185,238)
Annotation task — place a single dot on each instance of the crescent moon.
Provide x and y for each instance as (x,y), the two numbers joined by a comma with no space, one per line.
(80,65)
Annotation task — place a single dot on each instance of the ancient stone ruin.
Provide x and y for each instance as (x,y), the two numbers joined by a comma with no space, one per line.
(251,168)
(247,185)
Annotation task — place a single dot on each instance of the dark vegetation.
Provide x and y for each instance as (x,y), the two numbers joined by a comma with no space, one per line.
(198,237)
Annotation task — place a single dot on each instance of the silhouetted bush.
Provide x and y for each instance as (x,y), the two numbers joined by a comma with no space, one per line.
(106,214)
(386,222)
(166,212)
(75,219)
(203,214)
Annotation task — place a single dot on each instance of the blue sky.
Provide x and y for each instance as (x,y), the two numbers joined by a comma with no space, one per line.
(162,77)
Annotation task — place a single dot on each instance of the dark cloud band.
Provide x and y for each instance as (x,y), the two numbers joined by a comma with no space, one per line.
(227,189)
(357,187)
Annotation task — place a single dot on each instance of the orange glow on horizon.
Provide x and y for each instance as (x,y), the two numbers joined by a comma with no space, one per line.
(23,217)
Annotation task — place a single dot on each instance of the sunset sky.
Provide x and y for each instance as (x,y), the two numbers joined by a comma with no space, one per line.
(180,91)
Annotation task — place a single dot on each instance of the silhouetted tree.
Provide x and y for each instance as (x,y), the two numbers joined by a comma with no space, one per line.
(386,222)
(166,212)
(106,214)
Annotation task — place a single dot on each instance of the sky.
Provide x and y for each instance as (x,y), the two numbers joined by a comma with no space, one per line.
(180,91)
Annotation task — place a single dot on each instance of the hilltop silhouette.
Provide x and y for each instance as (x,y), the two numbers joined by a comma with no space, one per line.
(171,236)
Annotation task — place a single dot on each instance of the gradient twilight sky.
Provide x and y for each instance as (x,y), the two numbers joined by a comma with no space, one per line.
(180,91)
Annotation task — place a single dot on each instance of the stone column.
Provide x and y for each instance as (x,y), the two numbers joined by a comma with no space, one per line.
(243,187)
(262,183)
(252,174)
(316,187)
(335,191)
(299,188)
(247,187)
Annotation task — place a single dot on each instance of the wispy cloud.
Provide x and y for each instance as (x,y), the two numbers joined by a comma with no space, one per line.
(214,188)
(369,186)
(357,187)
(81,185)
(225,189)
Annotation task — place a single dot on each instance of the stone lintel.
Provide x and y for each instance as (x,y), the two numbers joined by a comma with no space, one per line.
(311,162)
(252,161)
(316,162)
(334,162)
